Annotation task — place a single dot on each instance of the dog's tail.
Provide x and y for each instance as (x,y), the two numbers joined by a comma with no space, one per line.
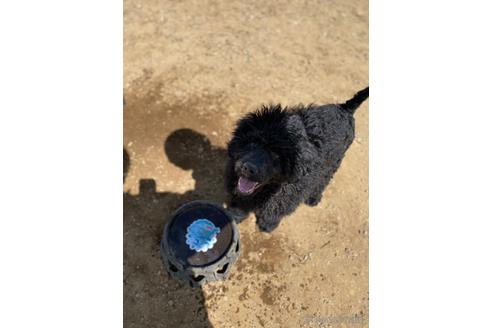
(352,104)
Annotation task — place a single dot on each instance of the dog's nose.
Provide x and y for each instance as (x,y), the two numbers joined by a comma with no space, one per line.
(248,169)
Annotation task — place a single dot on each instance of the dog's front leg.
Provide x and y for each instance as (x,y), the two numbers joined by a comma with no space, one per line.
(237,214)
(267,222)
(285,202)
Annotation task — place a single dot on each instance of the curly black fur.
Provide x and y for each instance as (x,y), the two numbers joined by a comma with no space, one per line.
(291,153)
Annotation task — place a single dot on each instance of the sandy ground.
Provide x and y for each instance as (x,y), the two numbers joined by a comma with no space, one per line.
(191,69)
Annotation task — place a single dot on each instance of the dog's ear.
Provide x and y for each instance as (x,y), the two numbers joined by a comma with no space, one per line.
(295,127)
(232,146)
(305,153)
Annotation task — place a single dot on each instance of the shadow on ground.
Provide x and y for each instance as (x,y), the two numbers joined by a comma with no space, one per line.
(151,297)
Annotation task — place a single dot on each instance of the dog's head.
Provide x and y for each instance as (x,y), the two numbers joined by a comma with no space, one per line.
(261,150)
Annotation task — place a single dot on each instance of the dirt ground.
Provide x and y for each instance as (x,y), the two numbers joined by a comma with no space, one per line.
(191,69)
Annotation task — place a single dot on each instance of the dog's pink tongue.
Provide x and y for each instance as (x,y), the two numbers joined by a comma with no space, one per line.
(246,185)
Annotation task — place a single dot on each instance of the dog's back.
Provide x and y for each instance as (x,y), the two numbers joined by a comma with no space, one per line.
(330,128)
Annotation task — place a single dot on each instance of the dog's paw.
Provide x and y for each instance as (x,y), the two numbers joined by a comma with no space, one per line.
(267,226)
(313,201)
(237,214)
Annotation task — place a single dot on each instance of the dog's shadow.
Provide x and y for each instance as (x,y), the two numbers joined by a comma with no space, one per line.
(151,297)
(193,151)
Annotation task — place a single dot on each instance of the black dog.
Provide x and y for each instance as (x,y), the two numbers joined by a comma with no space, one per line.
(281,157)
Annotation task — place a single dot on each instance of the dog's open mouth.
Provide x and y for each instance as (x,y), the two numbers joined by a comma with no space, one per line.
(246,186)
